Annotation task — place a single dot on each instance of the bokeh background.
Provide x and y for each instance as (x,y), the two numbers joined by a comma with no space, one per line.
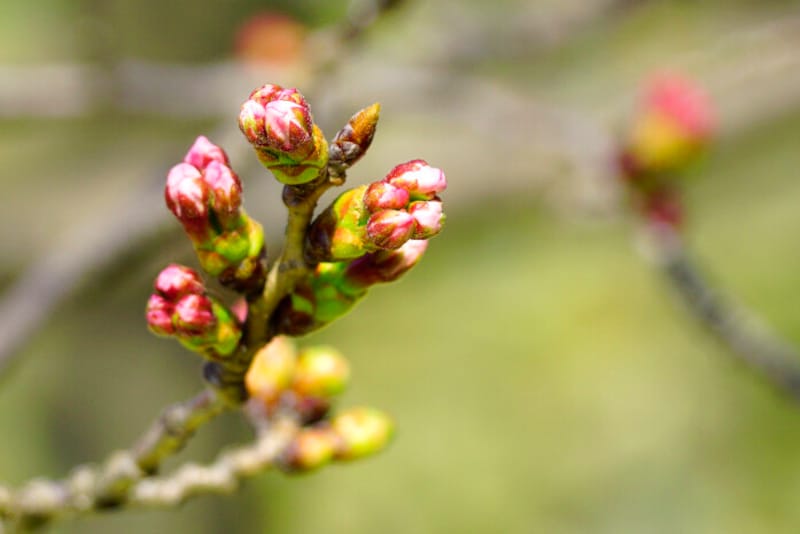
(556,385)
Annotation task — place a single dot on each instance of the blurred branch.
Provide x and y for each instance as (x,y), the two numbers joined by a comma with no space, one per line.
(760,349)
(123,481)
(108,485)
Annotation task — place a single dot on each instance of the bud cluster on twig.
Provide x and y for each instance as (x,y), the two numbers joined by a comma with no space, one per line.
(306,382)
(673,126)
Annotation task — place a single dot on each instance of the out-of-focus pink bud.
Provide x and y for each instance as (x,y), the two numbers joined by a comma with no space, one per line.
(418,178)
(682,101)
(270,37)
(204,152)
(382,196)
(390,228)
(194,315)
(175,281)
(385,265)
(186,193)
(673,125)
(428,217)
(159,315)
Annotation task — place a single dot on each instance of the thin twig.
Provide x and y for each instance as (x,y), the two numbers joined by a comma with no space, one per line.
(747,339)
(109,484)
(221,477)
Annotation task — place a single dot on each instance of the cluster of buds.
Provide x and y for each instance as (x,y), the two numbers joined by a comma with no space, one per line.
(383,215)
(671,129)
(205,195)
(306,383)
(278,123)
(335,287)
(181,308)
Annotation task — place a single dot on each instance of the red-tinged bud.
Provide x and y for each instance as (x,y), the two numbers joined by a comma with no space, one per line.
(204,152)
(175,281)
(674,123)
(186,193)
(428,217)
(278,119)
(418,178)
(361,432)
(352,141)
(226,193)
(683,102)
(159,316)
(322,371)
(272,370)
(390,229)
(278,124)
(310,449)
(194,316)
(384,265)
(382,196)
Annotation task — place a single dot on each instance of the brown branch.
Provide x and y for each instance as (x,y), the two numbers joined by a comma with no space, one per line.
(747,339)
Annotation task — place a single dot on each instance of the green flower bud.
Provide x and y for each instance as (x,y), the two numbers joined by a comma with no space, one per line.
(321,371)
(361,432)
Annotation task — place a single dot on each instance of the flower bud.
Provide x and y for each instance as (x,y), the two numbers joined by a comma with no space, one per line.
(382,196)
(187,198)
(361,432)
(384,265)
(390,229)
(422,181)
(278,123)
(338,233)
(428,218)
(674,124)
(352,141)
(159,316)
(311,448)
(175,281)
(226,194)
(181,308)
(272,370)
(194,316)
(203,152)
(322,371)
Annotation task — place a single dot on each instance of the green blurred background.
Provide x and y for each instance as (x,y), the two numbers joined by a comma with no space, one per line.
(557,385)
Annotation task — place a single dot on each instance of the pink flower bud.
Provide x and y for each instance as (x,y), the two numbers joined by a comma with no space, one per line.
(428,217)
(385,265)
(288,125)
(186,193)
(176,281)
(389,229)
(266,93)
(226,192)
(418,178)
(204,152)
(251,122)
(194,315)
(278,119)
(683,102)
(382,195)
(159,315)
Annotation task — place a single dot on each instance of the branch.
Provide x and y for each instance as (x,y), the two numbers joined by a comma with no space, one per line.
(107,486)
(223,475)
(760,349)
